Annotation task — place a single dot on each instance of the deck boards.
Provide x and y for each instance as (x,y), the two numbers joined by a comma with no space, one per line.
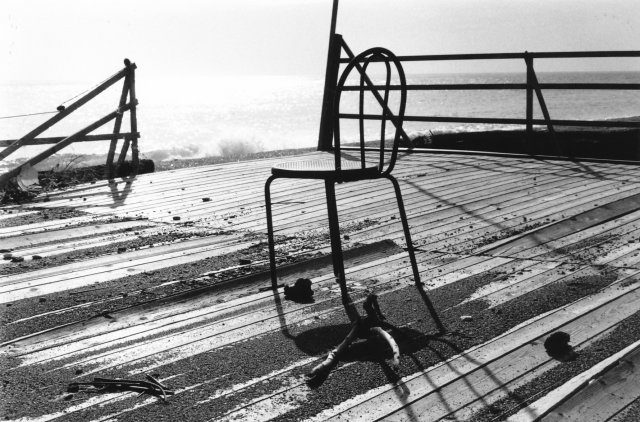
(493,233)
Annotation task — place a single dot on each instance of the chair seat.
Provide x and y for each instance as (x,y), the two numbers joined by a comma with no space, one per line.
(325,169)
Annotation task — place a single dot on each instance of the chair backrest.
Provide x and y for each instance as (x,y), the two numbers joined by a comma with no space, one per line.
(386,93)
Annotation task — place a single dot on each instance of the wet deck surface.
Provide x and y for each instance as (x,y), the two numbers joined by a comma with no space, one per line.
(511,250)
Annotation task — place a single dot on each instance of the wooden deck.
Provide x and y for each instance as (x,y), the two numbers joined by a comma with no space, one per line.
(511,250)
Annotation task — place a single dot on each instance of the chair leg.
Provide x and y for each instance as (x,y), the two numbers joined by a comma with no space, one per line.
(336,252)
(412,256)
(272,250)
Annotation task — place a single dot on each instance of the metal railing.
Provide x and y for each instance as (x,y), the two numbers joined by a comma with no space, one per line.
(532,87)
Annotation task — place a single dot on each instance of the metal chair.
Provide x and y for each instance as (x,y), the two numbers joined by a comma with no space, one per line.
(363,165)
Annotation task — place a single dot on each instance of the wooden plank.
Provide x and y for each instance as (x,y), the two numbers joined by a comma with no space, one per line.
(606,396)
(556,397)
(579,243)
(579,222)
(14,231)
(203,330)
(83,244)
(30,240)
(428,392)
(105,269)
(16,214)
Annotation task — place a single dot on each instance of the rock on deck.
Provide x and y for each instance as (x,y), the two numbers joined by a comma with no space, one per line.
(166,275)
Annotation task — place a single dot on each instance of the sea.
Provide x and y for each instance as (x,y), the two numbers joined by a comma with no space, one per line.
(228,116)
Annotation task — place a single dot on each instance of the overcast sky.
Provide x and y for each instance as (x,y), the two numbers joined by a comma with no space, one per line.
(87,39)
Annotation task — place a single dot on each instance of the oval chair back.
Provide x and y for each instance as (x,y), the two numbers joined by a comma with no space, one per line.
(385,94)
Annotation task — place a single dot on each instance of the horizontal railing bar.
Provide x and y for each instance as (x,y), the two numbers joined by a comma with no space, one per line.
(86,138)
(512,56)
(514,121)
(505,86)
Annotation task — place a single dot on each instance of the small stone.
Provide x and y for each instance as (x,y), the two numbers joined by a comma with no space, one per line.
(245,261)
(122,249)
(42,300)
(466,318)
(79,371)
(7,256)
(36,257)
(206,199)
(346,237)
(6,250)
(176,218)
(17,259)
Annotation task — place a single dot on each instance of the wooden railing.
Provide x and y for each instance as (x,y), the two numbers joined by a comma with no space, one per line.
(532,86)
(128,102)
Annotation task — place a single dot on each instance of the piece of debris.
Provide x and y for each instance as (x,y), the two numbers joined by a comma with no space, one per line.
(6,250)
(392,344)
(244,261)
(105,385)
(122,249)
(176,218)
(466,318)
(27,180)
(373,325)
(558,347)
(36,257)
(207,199)
(300,292)
(17,259)
(7,256)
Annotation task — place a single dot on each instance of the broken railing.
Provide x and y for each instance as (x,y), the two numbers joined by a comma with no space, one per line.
(128,102)
(532,87)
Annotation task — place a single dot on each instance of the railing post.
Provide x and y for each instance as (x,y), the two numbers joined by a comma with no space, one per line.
(133,117)
(331,80)
(118,123)
(530,85)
